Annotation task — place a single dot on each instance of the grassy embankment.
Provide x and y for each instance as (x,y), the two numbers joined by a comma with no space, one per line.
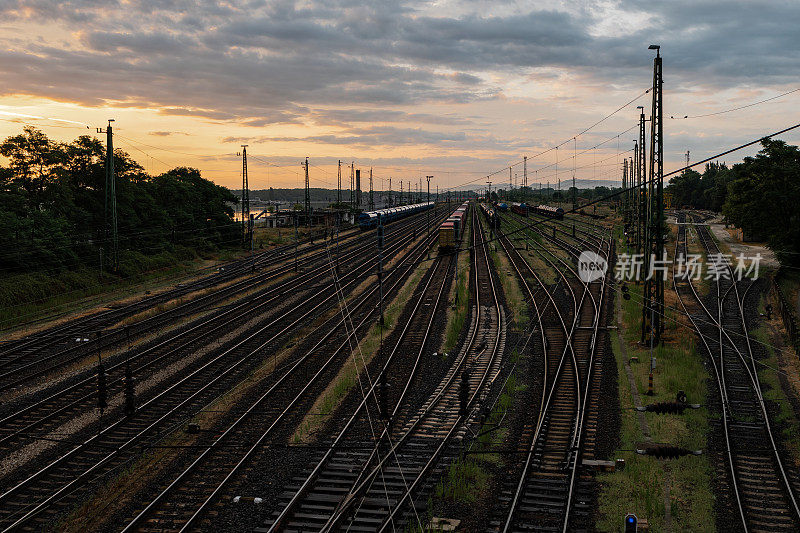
(639,487)
(25,297)
(44,295)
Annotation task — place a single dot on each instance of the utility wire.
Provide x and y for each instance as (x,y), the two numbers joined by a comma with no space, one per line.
(735,108)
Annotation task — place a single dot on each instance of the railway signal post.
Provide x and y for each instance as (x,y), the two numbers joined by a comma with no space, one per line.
(631,523)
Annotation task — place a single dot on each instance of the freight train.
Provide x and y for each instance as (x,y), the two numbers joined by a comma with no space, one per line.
(519,208)
(452,229)
(369,219)
(548,211)
(492,216)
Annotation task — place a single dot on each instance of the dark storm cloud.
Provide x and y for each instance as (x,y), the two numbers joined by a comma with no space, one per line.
(390,136)
(338,117)
(261,64)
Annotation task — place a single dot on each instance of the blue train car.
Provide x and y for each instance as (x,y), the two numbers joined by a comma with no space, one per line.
(369,219)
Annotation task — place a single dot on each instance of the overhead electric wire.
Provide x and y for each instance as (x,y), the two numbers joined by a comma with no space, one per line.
(620,191)
(735,108)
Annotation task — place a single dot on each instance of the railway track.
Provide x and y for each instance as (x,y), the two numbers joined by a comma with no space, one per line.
(183,503)
(45,353)
(53,337)
(763,492)
(547,495)
(47,413)
(47,492)
(371,488)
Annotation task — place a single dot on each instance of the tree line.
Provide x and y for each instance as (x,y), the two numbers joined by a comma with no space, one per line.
(760,195)
(52,207)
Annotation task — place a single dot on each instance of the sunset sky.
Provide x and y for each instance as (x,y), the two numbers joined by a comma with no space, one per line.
(449,88)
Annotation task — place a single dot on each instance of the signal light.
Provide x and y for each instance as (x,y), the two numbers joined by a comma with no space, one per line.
(631,523)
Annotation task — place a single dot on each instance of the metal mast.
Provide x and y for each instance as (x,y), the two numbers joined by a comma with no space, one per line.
(652,324)
(429,200)
(307,202)
(371,198)
(245,195)
(525,171)
(339,184)
(111,196)
(641,178)
(625,214)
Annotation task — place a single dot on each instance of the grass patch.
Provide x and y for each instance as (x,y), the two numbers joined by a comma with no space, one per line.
(639,488)
(26,297)
(458,315)
(511,288)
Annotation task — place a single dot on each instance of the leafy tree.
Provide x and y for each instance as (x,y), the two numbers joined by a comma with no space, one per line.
(52,205)
(764,198)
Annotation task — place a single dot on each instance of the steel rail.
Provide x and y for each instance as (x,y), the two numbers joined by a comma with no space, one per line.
(36,508)
(477,227)
(751,373)
(257,445)
(581,403)
(225,318)
(235,312)
(717,373)
(370,393)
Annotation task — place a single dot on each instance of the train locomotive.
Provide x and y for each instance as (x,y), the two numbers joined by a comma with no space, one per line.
(369,219)
(452,229)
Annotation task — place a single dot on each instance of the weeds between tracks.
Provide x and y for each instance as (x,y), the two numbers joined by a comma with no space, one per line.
(639,488)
